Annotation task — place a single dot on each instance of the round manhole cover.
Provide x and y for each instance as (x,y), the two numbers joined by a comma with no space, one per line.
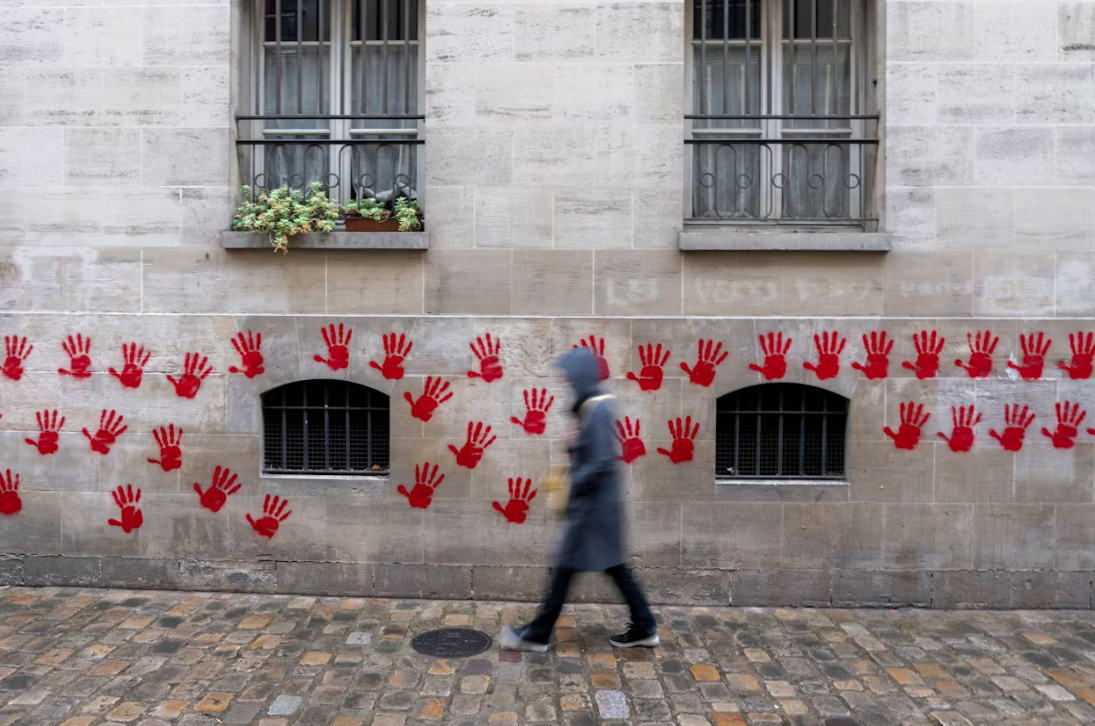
(452,643)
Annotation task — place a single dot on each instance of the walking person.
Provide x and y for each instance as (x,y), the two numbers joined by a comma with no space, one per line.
(593,531)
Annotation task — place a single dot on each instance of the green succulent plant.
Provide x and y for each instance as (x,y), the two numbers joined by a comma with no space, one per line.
(368,208)
(407,212)
(282,213)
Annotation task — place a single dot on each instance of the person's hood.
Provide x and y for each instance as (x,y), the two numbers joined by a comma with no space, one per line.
(582,371)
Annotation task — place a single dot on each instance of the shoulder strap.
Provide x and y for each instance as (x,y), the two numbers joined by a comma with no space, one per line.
(585,407)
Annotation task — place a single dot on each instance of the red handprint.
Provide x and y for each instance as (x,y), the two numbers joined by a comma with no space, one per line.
(223,486)
(127,501)
(927,354)
(251,359)
(981,349)
(516,508)
(913,418)
(49,428)
(1068,425)
(338,351)
(828,360)
(110,428)
(964,419)
(490,364)
(17,352)
(703,373)
(9,494)
(536,419)
(878,351)
(683,436)
(195,370)
(1034,353)
(597,347)
(135,361)
(78,350)
(631,446)
(775,356)
(434,393)
(653,360)
(273,514)
(472,451)
(169,440)
(1016,429)
(395,352)
(1083,349)
(425,482)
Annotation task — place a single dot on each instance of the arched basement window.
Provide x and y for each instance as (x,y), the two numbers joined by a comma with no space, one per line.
(780,431)
(325,427)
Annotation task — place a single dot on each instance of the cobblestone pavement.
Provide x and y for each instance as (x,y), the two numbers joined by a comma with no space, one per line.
(82,657)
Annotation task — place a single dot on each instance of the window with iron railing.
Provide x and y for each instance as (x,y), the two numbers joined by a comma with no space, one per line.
(780,127)
(333,97)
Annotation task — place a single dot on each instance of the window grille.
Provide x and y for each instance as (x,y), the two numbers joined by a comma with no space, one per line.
(334,97)
(325,427)
(779,126)
(780,431)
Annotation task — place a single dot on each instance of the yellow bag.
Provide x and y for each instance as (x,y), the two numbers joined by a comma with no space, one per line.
(557,489)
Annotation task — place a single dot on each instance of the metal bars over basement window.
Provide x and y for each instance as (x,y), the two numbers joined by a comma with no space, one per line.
(334,97)
(780,431)
(780,129)
(325,427)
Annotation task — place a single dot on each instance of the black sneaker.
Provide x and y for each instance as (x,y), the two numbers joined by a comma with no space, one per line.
(511,639)
(635,638)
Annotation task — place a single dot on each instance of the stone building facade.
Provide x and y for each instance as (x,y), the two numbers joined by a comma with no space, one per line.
(569,191)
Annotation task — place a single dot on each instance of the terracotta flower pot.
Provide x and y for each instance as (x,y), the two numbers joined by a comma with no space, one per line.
(363,224)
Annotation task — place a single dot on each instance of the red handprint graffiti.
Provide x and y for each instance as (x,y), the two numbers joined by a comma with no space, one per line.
(127,500)
(169,440)
(1068,425)
(516,509)
(1034,356)
(536,419)
(135,360)
(78,350)
(249,348)
(913,418)
(1015,430)
(17,353)
(338,349)
(223,486)
(829,349)
(49,429)
(434,393)
(488,354)
(703,373)
(775,356)
(110,428)
(631,446)
(472,451)
(273,514)
(395,352)
(964,419)
(9,494)
(1083,350)
(425,482)
(683,436)
(878,352)
(981,349)
(927,354)
(195,368)
(653,361)
(597,347)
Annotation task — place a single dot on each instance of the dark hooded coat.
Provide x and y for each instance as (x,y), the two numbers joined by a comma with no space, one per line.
(593,531)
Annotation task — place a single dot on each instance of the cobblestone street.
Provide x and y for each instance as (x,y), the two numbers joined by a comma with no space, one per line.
(83,657)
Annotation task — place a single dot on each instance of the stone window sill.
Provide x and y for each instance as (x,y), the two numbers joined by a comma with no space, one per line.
(332,241)
(780,490)
(730,239)
(289,485)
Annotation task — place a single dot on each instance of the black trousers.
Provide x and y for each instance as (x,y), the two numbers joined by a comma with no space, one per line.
(539,630)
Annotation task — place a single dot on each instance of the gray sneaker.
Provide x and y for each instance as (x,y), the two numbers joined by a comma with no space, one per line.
(511,639)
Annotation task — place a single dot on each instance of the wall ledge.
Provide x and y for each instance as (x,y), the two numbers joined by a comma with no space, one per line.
(739,240)
(780,490)
(332,241)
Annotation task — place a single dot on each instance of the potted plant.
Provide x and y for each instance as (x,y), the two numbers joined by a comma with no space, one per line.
(282,213)
(370,215)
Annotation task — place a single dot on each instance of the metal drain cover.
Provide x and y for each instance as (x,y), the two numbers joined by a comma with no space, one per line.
(452,643)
